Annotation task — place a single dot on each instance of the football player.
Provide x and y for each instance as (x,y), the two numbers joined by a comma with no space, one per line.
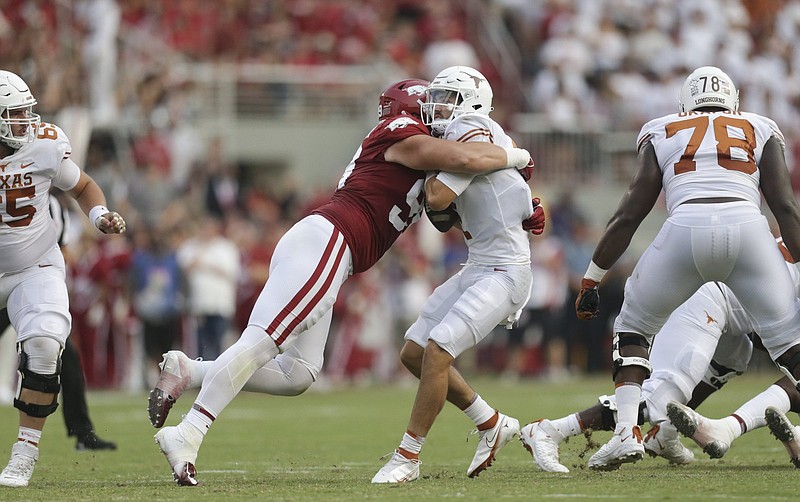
(35,156)
(75,409)
(280,352)
(687,343)
(714,162)
(494,284)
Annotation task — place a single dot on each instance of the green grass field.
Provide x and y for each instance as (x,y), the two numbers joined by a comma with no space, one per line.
(327,446)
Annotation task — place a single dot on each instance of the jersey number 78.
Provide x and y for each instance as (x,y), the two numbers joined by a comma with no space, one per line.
(699,126)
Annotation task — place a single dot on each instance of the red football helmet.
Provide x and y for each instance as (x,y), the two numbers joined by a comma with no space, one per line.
(404,96)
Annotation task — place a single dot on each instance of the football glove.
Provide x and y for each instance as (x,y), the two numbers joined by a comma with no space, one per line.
(535,222)
(111,223)
(587,304)
(443,220)
(527,171)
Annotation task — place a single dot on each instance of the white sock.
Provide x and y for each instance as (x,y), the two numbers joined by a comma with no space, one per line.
(32,436)
(752,412)
(568,426)
(479,410)
(732,425)
(191,433)
(200,418)
(412,444)
(628,395)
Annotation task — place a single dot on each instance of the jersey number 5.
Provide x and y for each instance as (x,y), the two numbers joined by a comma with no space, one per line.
(725,142)
(24,212)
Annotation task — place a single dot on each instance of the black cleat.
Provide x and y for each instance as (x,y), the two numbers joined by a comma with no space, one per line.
(90,441)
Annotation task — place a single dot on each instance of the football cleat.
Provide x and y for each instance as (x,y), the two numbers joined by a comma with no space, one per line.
(541,439)
(90,441)
(491,441)
(180,446)
(785,432)
(20,466)
(713,436)
(172,382)
(624,447)
(398,469)
(662,441)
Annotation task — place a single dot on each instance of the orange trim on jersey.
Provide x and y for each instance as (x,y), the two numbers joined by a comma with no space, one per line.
(647,137)
(472,133)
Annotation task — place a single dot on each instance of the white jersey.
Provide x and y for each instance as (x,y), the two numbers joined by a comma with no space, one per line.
(27,230)
(709,154)
(491,206)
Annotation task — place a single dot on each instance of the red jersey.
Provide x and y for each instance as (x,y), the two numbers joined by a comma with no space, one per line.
(376,200)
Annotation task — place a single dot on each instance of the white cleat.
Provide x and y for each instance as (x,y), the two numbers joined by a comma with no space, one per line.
(20,466)
(172,382)
(624,447)
(713,436)
(398,469)
(662,441)
(180,446)
(541,439)
(785,432)
(491,441)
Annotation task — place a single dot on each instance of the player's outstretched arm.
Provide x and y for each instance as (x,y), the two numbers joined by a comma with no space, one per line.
(777,189)
(92,200)
(635,205)
(426,153)
(633,208)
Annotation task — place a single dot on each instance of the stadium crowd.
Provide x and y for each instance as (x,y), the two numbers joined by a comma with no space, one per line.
(604,63)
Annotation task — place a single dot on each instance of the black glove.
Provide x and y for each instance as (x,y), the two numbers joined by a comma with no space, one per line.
(587,305)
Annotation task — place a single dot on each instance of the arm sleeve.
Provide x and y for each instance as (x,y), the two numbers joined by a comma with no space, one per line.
(67,175)
(455,182)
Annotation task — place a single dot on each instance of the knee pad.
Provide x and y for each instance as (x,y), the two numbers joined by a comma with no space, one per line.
(31,377)
(619,361)
(718,375)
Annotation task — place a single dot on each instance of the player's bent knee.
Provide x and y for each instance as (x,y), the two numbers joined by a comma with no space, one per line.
(623,340)
(411,357)
(34,324)
(789,364)
(444,339)
(39,370)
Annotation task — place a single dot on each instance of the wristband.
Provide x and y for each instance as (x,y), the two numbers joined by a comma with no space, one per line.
(594,272)
(517,157)
(96,212)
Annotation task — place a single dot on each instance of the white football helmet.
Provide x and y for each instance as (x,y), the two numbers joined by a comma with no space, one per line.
(16,111)
(454,91)
(708,86)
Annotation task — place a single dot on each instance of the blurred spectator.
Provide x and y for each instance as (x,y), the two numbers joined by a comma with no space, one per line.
(212,266)
(586,342)
(157,294)
(101,19)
